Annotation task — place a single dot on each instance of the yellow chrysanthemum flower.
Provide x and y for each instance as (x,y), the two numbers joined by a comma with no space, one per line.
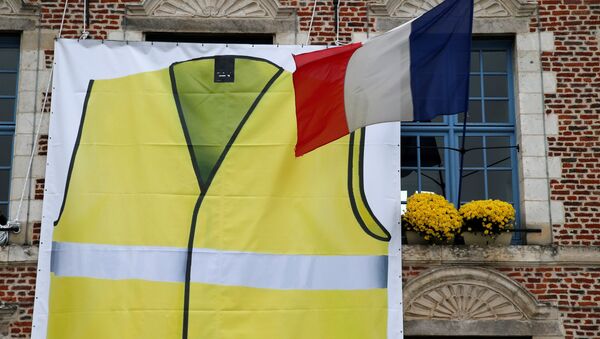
(490,217)
(432,216)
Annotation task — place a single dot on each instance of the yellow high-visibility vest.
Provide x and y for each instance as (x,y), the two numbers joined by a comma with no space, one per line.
(170,165)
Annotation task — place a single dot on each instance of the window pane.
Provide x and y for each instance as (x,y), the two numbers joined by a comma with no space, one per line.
(431,155)
(408,151)
(5,149)
(495,86)
(473,186)
(494,61)
(8,83)
(498,157)
(473,158)
(475,61)
(409,181)
(9,58)
(4,181)
(475,86)
(488,173)
(7,108)
(500,185)
(496,111)
(433,181)
(474,112)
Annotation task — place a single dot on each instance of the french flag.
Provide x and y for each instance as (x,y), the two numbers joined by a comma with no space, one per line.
(414,72)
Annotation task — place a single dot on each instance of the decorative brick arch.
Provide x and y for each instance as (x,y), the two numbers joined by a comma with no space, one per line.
(16,7)
(212,9)
(475,301)
(214,16)
(483,8)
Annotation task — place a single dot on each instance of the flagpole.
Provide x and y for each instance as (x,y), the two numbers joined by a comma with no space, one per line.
(462,159)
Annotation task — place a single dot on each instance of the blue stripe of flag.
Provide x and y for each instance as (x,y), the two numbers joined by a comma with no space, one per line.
(440,50)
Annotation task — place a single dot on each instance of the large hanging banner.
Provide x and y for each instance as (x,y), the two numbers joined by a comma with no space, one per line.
(175,207)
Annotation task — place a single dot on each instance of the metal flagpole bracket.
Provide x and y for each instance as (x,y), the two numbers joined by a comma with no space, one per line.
(12,226)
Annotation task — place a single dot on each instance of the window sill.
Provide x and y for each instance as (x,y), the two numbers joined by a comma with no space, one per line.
(526,255)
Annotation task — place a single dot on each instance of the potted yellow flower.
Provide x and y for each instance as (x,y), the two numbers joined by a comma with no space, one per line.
(487,222)
(431,217)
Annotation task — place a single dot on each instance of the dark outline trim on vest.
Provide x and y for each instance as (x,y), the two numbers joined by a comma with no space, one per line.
(75,148)
(361,181)
(188,268)
(186,133)
(361,187)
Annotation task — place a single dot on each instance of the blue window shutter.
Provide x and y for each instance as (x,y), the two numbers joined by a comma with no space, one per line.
(9,70)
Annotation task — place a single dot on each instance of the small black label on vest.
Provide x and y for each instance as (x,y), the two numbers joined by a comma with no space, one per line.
(224,69)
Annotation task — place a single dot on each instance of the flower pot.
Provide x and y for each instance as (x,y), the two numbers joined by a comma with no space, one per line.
(502,239)
(415,238)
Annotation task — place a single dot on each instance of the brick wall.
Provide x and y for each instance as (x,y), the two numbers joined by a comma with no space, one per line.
(352,18)
(576,63)
(104,16)
(17,290)
(576,290)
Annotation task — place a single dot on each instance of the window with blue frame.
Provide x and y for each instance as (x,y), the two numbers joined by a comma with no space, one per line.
(430,157)
(9,67)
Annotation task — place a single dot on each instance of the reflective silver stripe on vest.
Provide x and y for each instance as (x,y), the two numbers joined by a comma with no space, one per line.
(274,271)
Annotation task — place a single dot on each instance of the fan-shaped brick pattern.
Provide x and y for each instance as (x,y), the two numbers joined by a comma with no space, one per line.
(462,302)
(482,8)
(211,8)
(5,7)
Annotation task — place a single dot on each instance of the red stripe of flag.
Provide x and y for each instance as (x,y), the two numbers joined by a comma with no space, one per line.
(319,91)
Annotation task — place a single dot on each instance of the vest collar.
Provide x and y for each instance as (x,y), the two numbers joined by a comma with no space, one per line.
(213,113)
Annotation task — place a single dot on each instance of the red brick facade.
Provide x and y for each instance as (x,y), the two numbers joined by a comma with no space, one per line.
(576,63)
(17,289)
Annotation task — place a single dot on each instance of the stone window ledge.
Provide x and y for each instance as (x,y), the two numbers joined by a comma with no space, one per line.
(211,25)
(15,254)
(501,256)
(537,329)
(16,23)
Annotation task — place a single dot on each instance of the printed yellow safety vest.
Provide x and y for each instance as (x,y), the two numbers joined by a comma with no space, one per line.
(186,215)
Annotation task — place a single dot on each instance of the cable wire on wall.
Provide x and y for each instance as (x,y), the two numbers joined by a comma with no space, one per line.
(15,221)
